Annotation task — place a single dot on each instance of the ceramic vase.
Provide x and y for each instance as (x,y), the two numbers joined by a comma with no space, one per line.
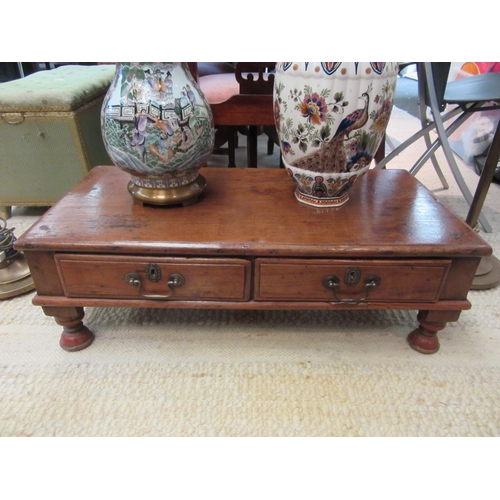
(331,118)
(158,127)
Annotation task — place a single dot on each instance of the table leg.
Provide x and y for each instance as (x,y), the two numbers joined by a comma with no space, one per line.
(424,339)
(252,133)
(75,336)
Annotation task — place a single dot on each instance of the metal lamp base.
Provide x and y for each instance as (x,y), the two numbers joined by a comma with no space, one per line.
(487,274)
(15,279)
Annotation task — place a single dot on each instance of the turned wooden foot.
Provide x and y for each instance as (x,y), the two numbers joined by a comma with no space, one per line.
(75,336)
(424,339)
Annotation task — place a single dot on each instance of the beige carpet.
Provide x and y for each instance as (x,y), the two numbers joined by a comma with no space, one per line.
(157,372)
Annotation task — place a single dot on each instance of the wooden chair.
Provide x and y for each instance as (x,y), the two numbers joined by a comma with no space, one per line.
(244,99)
(219,84)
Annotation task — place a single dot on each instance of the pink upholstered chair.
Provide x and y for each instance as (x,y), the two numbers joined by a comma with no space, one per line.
(218,83)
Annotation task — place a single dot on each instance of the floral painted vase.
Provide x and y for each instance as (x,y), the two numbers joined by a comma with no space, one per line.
(158,127)
(331,118)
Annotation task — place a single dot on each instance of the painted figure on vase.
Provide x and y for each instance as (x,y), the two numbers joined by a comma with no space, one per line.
(156,128)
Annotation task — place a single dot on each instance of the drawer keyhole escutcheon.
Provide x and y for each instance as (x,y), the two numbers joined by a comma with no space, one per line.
(174,280)
(153,273)
(351,276)
(333,283)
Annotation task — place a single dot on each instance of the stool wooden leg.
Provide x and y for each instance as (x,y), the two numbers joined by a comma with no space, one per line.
(6,212)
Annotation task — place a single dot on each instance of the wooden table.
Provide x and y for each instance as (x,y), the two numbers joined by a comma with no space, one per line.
(248,244)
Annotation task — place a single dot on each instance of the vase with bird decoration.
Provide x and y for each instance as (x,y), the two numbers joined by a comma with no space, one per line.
(158,127)
(331,118)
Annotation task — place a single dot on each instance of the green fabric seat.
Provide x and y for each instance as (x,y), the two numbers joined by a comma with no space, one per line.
(62,89)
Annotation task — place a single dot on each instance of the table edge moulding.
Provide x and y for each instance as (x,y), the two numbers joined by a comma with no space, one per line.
(248,244)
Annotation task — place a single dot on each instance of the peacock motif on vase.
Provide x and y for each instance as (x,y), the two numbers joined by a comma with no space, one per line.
(331,118)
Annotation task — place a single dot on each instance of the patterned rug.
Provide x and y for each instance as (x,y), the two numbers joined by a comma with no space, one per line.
(154,372)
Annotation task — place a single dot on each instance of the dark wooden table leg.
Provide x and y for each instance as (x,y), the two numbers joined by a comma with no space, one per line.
(252,133)
(380,153)
(75,336)
(231,144)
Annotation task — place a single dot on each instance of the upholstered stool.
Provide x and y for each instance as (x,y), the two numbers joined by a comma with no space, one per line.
(50,133)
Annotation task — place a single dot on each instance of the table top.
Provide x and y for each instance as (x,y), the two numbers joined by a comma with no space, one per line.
(253,212)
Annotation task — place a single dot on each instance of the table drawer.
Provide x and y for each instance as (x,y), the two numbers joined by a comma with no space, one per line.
(154,278)
(311,280)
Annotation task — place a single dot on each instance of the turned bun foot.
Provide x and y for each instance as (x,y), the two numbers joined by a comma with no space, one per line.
(76,341)
(424,339)
(75,336)
(423,342)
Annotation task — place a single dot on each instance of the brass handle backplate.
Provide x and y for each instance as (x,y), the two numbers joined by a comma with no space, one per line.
(174,280)
(12,118)
(333,283)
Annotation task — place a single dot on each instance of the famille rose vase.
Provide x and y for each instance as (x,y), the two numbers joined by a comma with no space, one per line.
(158,127)
(331,118)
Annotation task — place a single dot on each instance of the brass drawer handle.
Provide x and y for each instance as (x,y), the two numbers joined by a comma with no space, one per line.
(174,280)
(333,283)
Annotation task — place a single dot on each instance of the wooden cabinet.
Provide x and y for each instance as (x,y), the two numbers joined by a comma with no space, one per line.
(248,244)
